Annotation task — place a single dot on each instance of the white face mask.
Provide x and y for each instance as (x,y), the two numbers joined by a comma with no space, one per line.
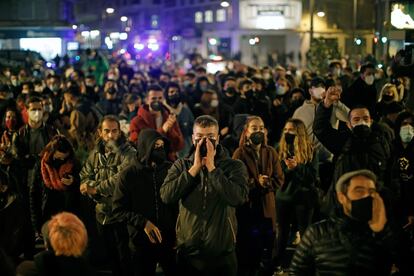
(48,108)
(406,134)
(35,115)
(214,103)
(317,92)
(362,123)
(337,72)
(370,80)
(280,90)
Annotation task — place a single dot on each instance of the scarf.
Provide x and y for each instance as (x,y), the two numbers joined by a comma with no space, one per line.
(52,176)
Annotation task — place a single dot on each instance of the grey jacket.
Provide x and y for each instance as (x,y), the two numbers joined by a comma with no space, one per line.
(101,171)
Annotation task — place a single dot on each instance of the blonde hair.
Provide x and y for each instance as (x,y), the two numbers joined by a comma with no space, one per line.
(67,235)
(389,86)
(302,143)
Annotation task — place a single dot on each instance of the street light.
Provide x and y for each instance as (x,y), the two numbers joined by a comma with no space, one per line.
(320,14)
(110,10)
(124,18)
(225,4)
(74,27)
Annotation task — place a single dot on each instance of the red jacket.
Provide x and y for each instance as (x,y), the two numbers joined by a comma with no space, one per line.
(145,119)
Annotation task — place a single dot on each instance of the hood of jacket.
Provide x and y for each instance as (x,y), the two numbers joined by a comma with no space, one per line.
(146,140)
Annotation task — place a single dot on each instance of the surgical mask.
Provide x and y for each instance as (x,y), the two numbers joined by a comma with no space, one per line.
(214,103)
(361,209)
(203,88)
(369,80)
(266,76)
(317,92)
(377,76)
(54,88)
(48,108)
(406,133)
(337,72)
(15,82)
(280,90)
(186,83)
(35,115)
(257,138)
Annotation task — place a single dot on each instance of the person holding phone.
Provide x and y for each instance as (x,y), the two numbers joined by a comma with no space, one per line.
(208,186)
(257,218)
(296,199)
(56,185)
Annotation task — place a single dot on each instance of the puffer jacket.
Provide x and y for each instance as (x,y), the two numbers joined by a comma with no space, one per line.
(342,246)
(137,195)
(102,172)
(206,224)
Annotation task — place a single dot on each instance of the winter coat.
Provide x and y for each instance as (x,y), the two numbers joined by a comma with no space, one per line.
(137,195)
(46,202)
(300,184)
(145,119)
(261,203)
(206,224)
(306,113)
(47,264)
(102,172)
(342,246)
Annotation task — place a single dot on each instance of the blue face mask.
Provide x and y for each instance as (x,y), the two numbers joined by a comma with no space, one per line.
(406,133)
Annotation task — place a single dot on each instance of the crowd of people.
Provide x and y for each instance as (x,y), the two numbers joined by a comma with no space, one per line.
(248,171)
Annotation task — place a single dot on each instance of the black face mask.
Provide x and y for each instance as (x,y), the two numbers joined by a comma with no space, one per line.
(231,91)
(297,103)
(249,94)
(205,104)
(57,163)
(156,106)
(362,131)
(174,100)
(203,146)
(257,138)
(387,98)
(289,138)
(158,156)
(361,209)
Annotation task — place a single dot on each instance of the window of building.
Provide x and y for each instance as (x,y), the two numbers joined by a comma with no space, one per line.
(198,17)
(221,15)
(208,16)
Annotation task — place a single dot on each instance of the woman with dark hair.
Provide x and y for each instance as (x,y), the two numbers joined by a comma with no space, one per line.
(257,218)
(56,185)
(12,122)
(403,169)
(296,199)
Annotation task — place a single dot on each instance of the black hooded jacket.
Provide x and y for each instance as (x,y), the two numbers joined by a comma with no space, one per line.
(137,195)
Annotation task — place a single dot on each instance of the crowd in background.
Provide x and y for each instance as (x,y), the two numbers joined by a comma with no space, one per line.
(110,143)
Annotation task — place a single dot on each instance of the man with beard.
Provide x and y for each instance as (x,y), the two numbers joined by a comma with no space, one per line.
(98,179)
(364,145)
(151,223)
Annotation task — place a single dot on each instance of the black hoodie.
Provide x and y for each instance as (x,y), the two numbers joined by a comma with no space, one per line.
(137,196)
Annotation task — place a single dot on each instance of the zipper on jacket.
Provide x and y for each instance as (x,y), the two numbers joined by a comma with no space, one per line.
(232,230)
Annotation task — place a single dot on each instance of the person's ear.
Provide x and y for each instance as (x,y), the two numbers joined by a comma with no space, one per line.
(349,125)
(341,198)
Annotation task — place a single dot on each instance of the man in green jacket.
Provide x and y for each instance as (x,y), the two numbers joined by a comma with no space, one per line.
(208,186)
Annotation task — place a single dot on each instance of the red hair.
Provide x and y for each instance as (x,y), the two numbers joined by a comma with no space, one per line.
(67,235)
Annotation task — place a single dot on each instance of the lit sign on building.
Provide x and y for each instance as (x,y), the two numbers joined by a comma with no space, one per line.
(270,14)
(402,16)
